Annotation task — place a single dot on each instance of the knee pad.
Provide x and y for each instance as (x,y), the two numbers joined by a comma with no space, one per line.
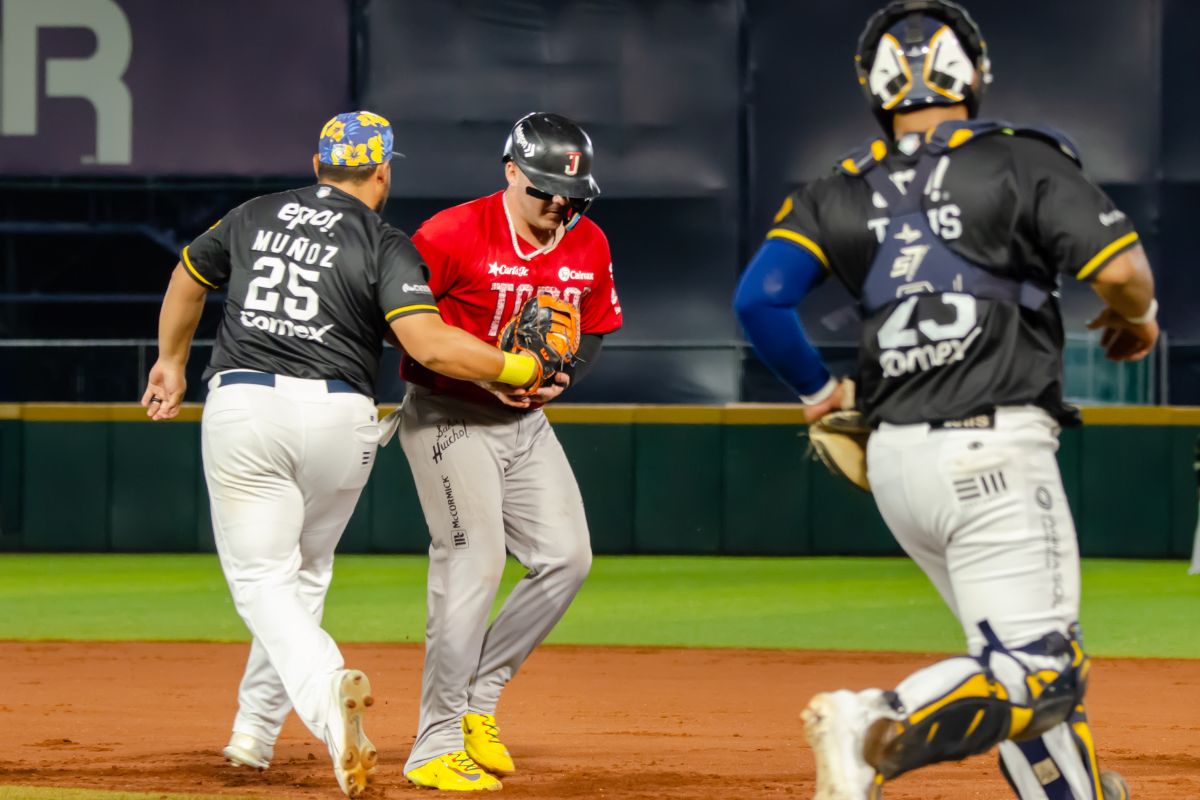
(1053,695)
(1049,674)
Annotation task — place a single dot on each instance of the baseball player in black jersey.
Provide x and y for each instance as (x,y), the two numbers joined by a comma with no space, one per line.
(315,280)
(951,233)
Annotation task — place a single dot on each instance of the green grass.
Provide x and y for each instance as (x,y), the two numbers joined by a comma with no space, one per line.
(1130,608)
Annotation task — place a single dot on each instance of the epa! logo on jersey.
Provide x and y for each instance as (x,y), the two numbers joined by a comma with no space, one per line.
(295,214)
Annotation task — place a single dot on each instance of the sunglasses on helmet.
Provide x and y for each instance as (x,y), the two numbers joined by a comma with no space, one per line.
(576,206)
(547,196)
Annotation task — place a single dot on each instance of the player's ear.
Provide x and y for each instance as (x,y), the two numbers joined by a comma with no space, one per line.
(510,172)
(316,166)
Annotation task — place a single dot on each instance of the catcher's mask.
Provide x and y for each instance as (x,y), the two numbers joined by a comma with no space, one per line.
(917,53)
(556,155)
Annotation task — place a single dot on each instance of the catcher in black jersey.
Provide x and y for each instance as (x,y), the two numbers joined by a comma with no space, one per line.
(951,233)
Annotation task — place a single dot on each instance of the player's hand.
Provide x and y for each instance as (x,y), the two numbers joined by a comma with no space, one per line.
(516,397)
(832,403)
(512,396)
(1123,340)
(553,390)
(164,391)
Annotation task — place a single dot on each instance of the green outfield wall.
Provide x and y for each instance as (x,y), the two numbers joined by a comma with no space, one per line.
(655,479)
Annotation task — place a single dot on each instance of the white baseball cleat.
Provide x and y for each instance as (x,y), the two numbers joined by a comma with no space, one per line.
(1113,785)
(244,750)
(354,757)
(835,723)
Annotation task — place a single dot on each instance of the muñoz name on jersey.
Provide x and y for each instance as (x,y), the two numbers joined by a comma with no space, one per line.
(313,277)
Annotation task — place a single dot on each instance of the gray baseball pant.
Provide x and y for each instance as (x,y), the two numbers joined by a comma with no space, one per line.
(489,478)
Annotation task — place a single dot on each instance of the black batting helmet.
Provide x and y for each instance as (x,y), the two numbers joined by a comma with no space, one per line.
(556,155)
(917,53)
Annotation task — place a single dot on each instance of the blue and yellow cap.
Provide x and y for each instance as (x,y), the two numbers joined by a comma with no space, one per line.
(356,138)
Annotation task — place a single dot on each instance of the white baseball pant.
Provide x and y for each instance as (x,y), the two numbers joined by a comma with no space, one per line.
(984,514)
(285,466)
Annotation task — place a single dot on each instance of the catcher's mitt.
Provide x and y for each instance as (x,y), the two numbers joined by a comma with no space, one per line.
(547,329)
(839,440)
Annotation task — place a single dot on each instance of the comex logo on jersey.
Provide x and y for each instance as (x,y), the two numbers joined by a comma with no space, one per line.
(285,327)
(948,341)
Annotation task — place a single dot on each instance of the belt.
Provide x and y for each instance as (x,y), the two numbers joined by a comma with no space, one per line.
(332,385)
(972,423)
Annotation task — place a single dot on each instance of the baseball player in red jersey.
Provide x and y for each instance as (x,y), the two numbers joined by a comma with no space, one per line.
(489,470)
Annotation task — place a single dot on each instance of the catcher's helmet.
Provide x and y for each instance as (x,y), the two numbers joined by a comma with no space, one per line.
(916,53)
(556,155)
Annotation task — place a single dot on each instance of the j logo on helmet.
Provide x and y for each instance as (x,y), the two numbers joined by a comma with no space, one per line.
(572,162)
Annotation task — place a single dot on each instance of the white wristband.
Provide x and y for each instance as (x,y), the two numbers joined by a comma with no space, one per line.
(822,394)
(1150,315)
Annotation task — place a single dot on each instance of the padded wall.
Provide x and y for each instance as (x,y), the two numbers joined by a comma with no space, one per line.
(694,480)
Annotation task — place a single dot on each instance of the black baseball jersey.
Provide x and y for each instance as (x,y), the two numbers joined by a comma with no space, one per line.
(314,276)
(957,284)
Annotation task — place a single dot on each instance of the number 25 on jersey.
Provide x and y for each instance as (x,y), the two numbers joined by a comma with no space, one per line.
(302,302)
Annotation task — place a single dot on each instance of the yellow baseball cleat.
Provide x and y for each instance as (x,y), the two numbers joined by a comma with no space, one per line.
(482,739)
(453,772)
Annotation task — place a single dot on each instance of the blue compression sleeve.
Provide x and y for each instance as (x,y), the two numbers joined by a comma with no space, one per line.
(777,279)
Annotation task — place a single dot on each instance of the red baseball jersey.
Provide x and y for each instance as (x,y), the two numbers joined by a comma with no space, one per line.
(480,272)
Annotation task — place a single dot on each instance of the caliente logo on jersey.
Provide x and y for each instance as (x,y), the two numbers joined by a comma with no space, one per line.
(568,274)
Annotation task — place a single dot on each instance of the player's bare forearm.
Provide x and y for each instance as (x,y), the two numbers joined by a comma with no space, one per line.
(455,353)
(180,314)
(1126,286)
(181,310)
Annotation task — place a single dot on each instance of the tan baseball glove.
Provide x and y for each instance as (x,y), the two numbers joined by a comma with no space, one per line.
(839,441)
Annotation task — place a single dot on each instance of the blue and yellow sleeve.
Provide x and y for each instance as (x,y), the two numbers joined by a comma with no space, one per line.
(780,275)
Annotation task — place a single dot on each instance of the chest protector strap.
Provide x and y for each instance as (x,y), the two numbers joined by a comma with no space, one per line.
(913,259)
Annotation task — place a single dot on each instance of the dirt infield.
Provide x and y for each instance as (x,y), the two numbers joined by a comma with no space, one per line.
(581,722)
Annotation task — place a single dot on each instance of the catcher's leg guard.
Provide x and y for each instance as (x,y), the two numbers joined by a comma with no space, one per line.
(971,717)
(964,706)
(1061,764)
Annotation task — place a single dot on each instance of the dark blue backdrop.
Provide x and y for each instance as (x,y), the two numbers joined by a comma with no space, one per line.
(704,113)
